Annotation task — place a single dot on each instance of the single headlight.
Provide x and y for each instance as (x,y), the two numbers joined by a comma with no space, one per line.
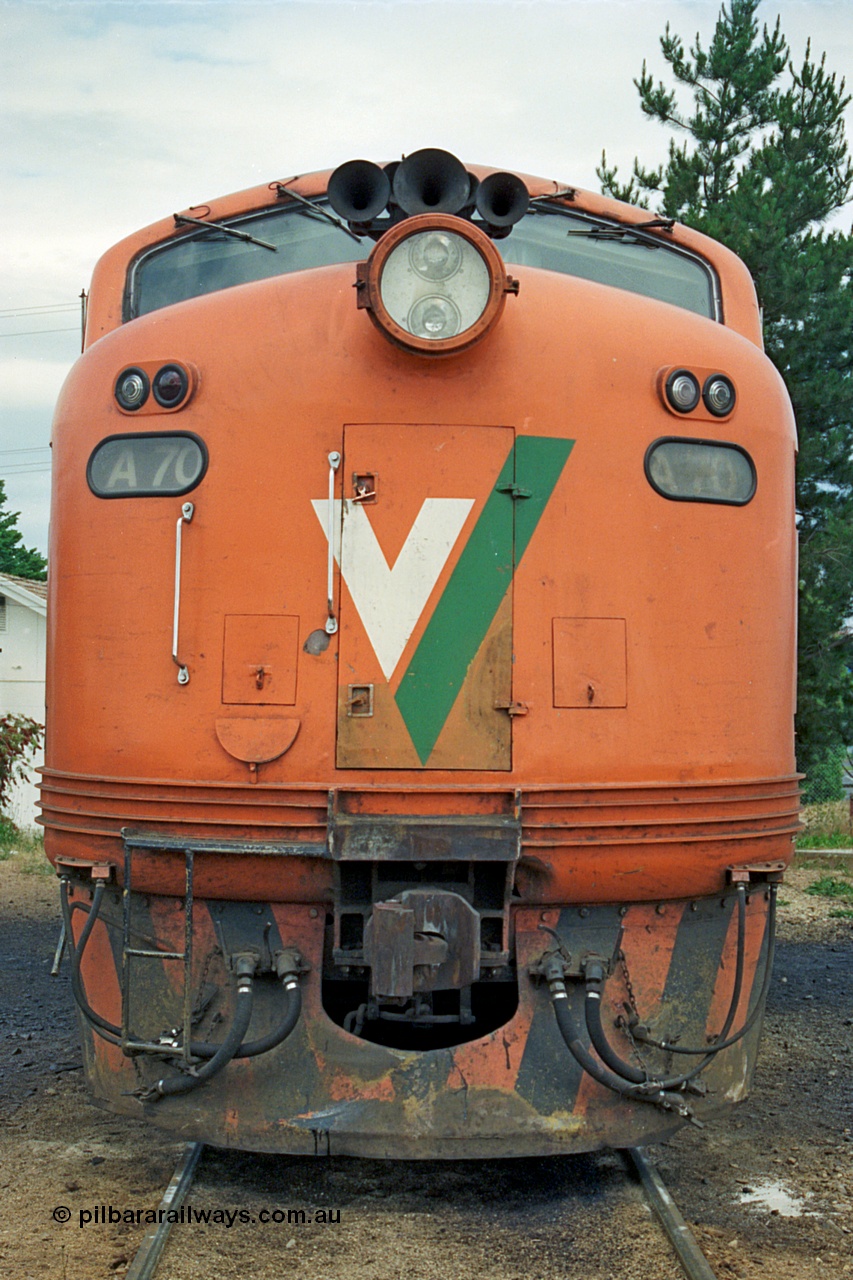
(434,284)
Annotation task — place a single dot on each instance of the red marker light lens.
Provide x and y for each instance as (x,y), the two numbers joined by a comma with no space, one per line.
(170,386)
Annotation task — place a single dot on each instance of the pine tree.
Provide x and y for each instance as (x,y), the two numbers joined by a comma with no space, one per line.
(15,558)
(761,166)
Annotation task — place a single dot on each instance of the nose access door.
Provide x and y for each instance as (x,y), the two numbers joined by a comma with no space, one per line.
(426,565)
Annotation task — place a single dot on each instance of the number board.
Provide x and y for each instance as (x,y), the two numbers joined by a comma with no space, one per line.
(148,465)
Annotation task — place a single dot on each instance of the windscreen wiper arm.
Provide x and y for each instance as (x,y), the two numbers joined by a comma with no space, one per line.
(605,231)
(181,218)
(564,193)
(317,208)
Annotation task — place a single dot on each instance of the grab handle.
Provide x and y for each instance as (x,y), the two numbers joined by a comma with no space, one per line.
(331,620)
(187,512)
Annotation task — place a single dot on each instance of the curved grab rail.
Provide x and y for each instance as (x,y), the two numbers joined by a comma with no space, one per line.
(187,512)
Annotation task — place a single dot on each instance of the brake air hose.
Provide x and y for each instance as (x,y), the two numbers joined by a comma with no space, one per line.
(244,967)
(203,1049)
(107,1030)
(759,1004)
(571,1036)
(592,1009)
(622,1077)
(199,1049)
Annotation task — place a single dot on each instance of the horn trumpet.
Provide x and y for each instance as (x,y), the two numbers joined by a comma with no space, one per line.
(502,199)
(431,181)
(358,191)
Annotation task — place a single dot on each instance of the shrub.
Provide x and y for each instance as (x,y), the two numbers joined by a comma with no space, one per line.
(826,826)
(20,738)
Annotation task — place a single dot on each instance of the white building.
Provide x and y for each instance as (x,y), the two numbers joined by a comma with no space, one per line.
(23,641)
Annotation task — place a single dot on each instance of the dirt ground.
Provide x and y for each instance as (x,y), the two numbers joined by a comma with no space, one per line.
(769,1193)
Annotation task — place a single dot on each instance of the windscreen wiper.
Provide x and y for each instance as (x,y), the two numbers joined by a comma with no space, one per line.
(606,230)
(317,208)
(565,193)
(181,218)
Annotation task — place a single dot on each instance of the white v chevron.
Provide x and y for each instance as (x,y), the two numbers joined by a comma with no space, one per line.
(390,600)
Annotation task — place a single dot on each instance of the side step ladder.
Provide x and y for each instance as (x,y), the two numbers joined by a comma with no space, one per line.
(130,955)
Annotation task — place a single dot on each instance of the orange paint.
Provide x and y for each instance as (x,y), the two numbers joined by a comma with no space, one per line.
(347,1088)
(521,636)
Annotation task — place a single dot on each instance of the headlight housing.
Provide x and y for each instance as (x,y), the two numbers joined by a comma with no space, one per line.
(434,284)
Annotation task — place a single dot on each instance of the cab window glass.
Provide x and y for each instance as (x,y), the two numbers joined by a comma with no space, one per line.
(207,261)
(612,256)
(202,262)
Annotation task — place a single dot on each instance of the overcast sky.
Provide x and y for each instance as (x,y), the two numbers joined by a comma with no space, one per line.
(116,113)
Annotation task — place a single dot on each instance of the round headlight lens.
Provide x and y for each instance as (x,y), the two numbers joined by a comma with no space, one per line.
(131,389)
(682,390)
(435,285)
(719,395)
(435,255)
(433,317)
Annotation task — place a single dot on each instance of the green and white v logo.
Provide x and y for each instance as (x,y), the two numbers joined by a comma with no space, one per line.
(390,599)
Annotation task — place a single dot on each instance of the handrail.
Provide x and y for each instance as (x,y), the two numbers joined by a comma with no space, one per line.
(331,620)
(187,512)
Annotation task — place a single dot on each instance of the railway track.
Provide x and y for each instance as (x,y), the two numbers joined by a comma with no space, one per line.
(144,1264)
(690,1256)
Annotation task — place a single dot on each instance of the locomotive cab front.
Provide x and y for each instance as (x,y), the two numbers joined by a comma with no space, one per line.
(420,760)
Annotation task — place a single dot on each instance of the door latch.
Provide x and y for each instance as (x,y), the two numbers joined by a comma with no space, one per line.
(360,701)
(364,487)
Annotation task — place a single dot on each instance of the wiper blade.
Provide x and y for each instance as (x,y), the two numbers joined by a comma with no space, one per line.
(606,231)
(181,218)
(567,193)
(318,208)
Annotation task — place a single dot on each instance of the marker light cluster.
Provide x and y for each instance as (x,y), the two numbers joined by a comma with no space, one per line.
(684,391)
(434,284)
(168,384)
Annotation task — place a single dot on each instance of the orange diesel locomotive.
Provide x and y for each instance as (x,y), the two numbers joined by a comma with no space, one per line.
(420,759)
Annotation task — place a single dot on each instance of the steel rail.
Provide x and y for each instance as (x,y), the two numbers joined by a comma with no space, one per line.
(148,1254)
(691,1257)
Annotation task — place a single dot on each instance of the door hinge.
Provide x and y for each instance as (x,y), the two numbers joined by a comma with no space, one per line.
(514,490)
(513,708)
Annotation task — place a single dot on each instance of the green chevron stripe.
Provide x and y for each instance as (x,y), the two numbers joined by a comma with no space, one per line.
(476,588)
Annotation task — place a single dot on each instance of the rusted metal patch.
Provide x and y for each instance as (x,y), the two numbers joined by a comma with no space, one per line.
(514,1090)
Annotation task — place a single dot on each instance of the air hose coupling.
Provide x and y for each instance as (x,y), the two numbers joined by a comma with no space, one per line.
(594,972)
(289,967)
(668,1101)
(554,973)
(244,966)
